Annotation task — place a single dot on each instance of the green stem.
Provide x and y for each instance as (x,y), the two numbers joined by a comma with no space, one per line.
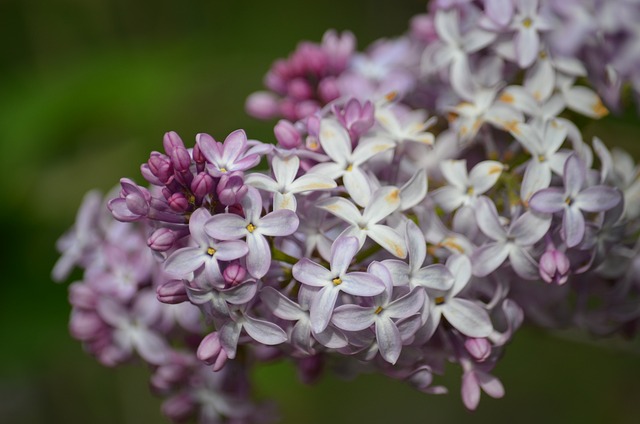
(278,255)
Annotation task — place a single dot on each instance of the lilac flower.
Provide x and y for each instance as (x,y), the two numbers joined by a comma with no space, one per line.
(381,314)
(253,227)
(220,299)
(464,315)
(409,126)
(286,185)
(302,332)
(347,163)
(475,379)
(513,243)
(206,253)
(527,23)
(357,118)
(574,199)
(133,203)
(384,201)
(554,266)
(228,156)
(334,281)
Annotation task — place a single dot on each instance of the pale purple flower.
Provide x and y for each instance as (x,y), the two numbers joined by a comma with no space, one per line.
(528,22)
(381,314)
(400,125)
(286,185)
(554,266)
(573,199)
(473,380)
(302,332)
(228,156)
(514,242)
(334,281)
(220,299)
(206,252)
(133,203)
(384,201)
(253,227)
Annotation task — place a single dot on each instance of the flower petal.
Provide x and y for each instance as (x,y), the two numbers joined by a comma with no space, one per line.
(278,223)
(322,307)
(488,258)
(310,273)
(353,317)
(264,332)
(389,341)
(467,317)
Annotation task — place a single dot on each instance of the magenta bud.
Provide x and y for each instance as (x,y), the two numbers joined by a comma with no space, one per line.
(85,325)
(171,141)
(299,89)
(202,185)
(172,292)
(287,135)
(179,408)
(231,188)
(306,108)
(313,126)
(82,296)
(234,274)
(211,352)
(328,90)
(554,267)
(178,202)
(160,166)
(262,105)
(198,157)
(180,159)
(479,349)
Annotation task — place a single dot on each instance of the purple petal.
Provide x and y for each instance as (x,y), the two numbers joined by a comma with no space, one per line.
(227,226)
(259,256)
(488,220)
(574,175)
(361,284)
(528,228)
(264,332)
(184,261)
(389,341)
(331,338)
(549,200)
(598,198)
(467,317)
(230,250)
(353,317)
(523,264)
(234,145)
(573,226)
(527,45)
(488,258)
(310,273)
(342,252)
(281,306)
(407,305)
(240,294)
(229,335)
(278,223)
(322,307)
(436,277)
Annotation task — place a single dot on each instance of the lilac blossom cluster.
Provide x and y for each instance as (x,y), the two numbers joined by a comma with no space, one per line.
(423,198)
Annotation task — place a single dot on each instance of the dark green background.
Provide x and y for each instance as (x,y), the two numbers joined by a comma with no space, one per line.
(88,87)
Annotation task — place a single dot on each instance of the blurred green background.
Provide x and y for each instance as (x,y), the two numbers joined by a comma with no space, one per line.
(88,87)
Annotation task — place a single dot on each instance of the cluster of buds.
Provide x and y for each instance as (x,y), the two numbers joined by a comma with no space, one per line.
(423,198)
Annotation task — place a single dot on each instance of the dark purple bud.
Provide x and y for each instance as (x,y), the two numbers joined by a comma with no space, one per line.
(287,135)
(234,274)
(179,408)
(211,352)
(172,292)
(160,166)
(178,202)
(328,90)
(202,185)
(310,368)
(554,266)
(180,159)
(162,239)
(231,188)
(171,141)
(479,349)
(198,157)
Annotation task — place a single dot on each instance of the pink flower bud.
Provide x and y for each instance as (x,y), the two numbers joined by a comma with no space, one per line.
(202,185)
(180,159)
(179,408)
(328,90)
(479,349)
(287,135)
(171,141)
(299,89)
(554,266)
(231,188)
(162,239)
(172,292)
(160,166)
(234,274)
(211,352)
(178,202)
(262,105)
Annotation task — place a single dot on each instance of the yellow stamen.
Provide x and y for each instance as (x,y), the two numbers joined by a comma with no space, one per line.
(211,251)
(439,300)
(599,109)
(506,98)
(350,168)
(223,169)
(391,96)
(470,191)
(251,228)
(336,281)
(378,310)
(527,22)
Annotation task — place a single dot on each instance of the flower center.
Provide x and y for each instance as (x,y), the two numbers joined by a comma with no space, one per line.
(350,167)
(336,281)
(211,251)
(223,169)
(439,300)
(378,310)
(251,228)
(527,22)
(568,201)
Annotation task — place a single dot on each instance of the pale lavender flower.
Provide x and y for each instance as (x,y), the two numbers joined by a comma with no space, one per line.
(334,281)
(206,252)
(514,242)
(574,199)
(381,314)
(384,201)
(228,156)
(253,227)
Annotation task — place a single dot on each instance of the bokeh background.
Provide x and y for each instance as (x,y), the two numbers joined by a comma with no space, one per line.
(88,87)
